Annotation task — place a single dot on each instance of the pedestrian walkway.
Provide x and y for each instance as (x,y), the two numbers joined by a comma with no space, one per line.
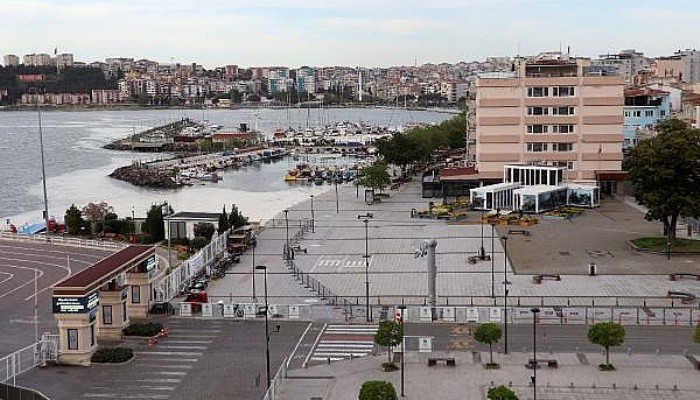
(340,342)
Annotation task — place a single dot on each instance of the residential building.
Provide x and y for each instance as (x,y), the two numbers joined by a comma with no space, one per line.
(629,63)
(644,108)
(552,112)
(10,60)
(105,97)
(57,99)
(38,60)
(63,60)
(683,66)
(306,80)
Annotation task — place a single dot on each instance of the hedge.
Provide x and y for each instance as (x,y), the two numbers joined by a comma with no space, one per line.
(143,329)
(112,355)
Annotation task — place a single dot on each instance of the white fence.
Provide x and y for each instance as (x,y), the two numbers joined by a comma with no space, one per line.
(28,357)
(64,241)
(273,390)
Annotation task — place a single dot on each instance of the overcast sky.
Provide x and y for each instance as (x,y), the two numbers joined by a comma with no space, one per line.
(343,32)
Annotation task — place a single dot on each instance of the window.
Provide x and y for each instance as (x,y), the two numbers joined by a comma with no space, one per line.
(566,110)
(662,113)
(562,146)
(563,129)
(563,91)
(627,113)
(124,312)
(72,339)
(135,294)
(637,113)
(537,91)
(536,147)
(107,315)
(92,335)
(537,110)
(649,113)
(537,128)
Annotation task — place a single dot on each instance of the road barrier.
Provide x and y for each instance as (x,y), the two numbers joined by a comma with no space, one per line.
(275,383)
(65,241)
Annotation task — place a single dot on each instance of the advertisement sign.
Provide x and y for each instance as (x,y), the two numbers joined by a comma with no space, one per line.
(494,314)
(229,310)
(207,310)
(426,314)
(472,314)
(75,305)
(425,344)
(185,309)
(448,314)
(293,311)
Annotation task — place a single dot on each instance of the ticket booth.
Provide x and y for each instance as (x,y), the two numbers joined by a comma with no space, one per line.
(94,303)
(139,280)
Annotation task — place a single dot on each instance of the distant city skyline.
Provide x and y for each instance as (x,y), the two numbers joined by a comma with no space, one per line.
(333,32)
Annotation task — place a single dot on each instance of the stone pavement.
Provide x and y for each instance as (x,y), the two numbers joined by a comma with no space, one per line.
(469,380)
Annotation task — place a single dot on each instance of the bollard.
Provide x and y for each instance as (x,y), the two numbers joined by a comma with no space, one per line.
(656,386)
(675,388)
(614,386)
(635,387)
(571,385)
(329,360)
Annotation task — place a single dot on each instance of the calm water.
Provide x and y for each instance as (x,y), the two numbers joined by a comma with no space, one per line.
(77,166)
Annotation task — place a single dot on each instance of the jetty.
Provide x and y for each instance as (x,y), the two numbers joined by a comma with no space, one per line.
(178,136)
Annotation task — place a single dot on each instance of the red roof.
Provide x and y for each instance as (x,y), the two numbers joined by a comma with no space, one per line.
(644,92)
(457,171)
(98,274)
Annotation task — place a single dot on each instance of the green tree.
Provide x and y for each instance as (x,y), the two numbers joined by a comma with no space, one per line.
(236,218)
(375,176)
(501,393)
(665,173)
(223,222)
(74,220)
(389,335)
(377,390)
(205,230)
(155,224)
(696,337)
(607,334)
(488,333)
(199,242)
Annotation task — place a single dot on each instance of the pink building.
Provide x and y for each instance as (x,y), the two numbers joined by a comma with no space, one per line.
(550,112)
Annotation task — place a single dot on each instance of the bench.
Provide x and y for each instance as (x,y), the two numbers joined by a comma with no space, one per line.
(519,232)
(449,361)
(681,275)
(551,363)
(539,278)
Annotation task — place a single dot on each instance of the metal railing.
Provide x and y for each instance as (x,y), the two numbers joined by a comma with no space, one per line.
(10,392)
(18,362)
(64,241)
(273,391)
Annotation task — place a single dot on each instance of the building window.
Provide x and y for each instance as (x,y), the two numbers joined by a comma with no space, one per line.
(124,311)
(662,113)
(563,128)
(566,110)
(562,146)
(72,339)
(649,113)
(537,128)
(563,91)
(92,335)
(136,294)
(637,113)
(537,91)
(627,113)
(537,110)
(536,147)
(107,315)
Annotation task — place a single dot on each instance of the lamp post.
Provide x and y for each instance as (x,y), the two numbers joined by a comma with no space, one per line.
(254,297)
(482,252)
(267,331)
(43,168)
(505,293)
(402,308)
(337,205)
(535,311)
(493,273)
(313,219)
(133,222)
(365,218)
(286,241)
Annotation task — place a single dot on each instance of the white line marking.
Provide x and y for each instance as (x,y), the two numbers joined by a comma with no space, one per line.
(291,356)
(314,346)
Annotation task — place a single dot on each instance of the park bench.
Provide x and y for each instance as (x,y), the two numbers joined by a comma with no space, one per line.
(551,363)
(552,277)
(684,297)
(449,361)
(519,232)
(682,275)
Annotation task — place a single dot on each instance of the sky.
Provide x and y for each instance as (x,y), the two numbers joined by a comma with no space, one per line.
(369,33)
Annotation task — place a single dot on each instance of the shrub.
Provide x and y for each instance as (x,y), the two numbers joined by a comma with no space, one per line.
(143,329)
(112,355)
(377,390)
(389,367)
(501,393)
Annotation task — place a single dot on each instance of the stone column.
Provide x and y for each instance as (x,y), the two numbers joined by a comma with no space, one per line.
(77,337)
(112,318)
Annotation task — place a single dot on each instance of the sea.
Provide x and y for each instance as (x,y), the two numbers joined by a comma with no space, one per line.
(77,167)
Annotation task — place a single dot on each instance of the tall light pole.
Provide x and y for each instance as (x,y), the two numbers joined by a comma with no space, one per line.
(482,252)
(313,219)
(535,311)
(365,218)
(267,330)
(505,292)
(254,297)
(337,205)
(493,273)
(402,308)
(286,242)
(43,168)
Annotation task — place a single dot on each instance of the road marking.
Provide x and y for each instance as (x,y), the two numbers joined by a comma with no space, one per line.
(291,356)
(163,345)
(171,353)
(303,365)
(126,396)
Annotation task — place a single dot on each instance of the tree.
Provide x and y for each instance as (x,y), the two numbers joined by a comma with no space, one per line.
(389,335)
(74,220)
(607,334)
(665,172)
(377,390)
(375,176)
(155,225)
(488,333)
(501,393)
(696,337)
(205,230)
(236,218)
(97,211)
(223,222)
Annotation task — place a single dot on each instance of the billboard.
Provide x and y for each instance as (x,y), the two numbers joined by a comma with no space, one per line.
(75,305)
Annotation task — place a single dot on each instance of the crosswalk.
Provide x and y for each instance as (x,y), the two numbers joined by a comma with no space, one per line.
(340,342)
(341,263)
(158,371)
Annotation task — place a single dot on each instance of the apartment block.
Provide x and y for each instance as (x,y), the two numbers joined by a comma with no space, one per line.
(40,60)
(551,112)
(10,60)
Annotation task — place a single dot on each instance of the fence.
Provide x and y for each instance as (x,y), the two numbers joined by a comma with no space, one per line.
(64,241)
(9,392)
(28,357)
(273,390)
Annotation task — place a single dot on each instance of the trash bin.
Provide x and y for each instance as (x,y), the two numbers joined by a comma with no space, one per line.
(592,269)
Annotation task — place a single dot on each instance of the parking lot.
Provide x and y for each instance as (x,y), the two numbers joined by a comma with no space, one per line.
(20,262)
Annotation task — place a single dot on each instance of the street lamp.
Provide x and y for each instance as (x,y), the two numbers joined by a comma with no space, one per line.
(402,308)
(505,292)
(267,331)
(482,252)
(313,219)
(535,311)
(337,205)
(365,218)
(253,264)
(43,168)
(493,274)
(286,241)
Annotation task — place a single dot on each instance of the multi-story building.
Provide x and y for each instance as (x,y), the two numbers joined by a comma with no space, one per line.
(306,80)
(105,96)
(629,63)
(643,110)
(38,60)
(63,60)
(10,60)
(683,65)
(551,112)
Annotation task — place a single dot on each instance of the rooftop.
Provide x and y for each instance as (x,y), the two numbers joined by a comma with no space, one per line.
(193,215)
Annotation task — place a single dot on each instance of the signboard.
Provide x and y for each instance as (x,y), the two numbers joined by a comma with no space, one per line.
(574,314)
(272,310)
(229,311)
(124,294)
(425,344)
(472,314)
(185,309)
(294,311)
(369,196)
(251,310)
(148,265)
(426,314)
(625,315)
(494,314)
(75,305)
(596,315)
(207,310)
(448,314)
(548,313)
